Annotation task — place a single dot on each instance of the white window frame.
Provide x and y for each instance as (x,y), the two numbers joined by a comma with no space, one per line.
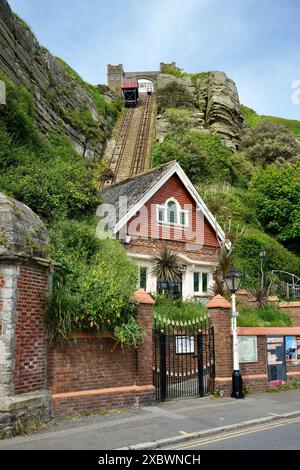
(139,275)
(179,212)
(200,291)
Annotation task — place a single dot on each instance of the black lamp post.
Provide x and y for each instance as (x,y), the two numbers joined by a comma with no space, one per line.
(262,256)
(233,281)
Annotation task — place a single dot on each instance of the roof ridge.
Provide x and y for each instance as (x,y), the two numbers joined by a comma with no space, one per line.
(173,162)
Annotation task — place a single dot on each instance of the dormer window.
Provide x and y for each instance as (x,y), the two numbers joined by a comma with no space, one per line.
(172,214)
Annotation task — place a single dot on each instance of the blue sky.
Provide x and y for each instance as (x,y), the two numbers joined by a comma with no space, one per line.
(256,42)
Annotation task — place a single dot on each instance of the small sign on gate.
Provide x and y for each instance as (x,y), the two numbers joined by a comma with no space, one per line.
(185,345)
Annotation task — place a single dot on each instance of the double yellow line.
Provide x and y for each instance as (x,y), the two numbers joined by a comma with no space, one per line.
(232,434)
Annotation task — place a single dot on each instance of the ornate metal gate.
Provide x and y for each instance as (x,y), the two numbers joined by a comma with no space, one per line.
(183,359)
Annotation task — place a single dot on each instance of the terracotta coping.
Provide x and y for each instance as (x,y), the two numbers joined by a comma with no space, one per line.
(143,297)
(218,302)
(273,298)
(269,331)
(104,391)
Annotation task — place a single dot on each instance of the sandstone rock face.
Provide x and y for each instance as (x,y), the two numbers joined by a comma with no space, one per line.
(24,61)
(216,108)
(223,114)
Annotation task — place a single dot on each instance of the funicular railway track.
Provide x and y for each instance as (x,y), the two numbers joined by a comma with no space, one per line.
(132,148)
(138,163)
(121,142)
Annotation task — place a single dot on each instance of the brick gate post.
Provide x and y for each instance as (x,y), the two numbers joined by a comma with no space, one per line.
(24,280)
(220,319)
(144,353)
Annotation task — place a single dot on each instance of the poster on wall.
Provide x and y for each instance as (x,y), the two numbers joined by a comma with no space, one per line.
(247,349)
(292,349)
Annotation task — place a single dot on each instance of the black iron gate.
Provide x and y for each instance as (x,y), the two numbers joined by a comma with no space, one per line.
(183,359)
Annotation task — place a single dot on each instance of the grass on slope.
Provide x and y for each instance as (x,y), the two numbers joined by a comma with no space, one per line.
(252,118)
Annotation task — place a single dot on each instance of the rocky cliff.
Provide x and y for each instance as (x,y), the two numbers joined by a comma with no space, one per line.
(216,106)
(60,97)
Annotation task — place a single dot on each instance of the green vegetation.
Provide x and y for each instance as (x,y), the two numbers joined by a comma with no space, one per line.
(180,73)
(22,22)
(93,286)
(269,142)
(246,258)
(96,279)
(167,308)
(49,176)
(104,107)
(173,95)
(277,199)
(202,156)
(256,188)
(252,118)
(266,316)
(293,385)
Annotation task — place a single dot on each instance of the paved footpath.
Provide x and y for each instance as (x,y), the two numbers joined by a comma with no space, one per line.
(173,419)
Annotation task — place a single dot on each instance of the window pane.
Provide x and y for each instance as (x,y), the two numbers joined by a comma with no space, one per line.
(143,278)
(182,218)
(196,282)
(172,213)
(161,217)
(204,282)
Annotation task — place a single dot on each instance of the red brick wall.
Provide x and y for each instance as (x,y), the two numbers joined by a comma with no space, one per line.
(96,374)
(147,227)
(89,364)
(294,309)
(30,349)
(220,319)
(259,367)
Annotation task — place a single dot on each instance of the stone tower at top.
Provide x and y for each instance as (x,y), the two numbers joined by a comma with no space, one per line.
(116,75)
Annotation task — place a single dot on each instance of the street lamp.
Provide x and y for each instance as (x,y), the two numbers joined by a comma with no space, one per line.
(233,281)
(262,256)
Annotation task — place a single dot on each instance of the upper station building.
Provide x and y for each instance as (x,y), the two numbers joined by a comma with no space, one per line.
(117,77)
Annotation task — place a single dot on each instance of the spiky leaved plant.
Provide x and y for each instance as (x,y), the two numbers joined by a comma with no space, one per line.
(167,266)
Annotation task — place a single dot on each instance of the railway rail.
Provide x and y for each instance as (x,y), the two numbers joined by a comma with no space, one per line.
(133,143)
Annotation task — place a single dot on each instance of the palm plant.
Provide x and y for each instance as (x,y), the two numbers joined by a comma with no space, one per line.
(167,266)
(225,257)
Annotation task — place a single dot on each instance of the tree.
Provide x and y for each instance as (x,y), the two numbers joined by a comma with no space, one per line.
(269,142)
(277,200)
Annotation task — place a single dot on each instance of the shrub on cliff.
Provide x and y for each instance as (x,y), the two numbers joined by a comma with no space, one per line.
(173,95)
(201,155)
(268,142)
(47,175)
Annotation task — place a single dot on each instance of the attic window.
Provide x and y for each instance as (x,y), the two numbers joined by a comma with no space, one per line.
(172,214)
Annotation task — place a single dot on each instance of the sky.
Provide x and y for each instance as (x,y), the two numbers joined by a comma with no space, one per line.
(256,42)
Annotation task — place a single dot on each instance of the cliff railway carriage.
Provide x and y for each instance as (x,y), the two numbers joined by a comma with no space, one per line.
(130,92)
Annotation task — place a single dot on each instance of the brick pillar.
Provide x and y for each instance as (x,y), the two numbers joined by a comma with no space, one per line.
(220,319)
(24,280)
(144,353)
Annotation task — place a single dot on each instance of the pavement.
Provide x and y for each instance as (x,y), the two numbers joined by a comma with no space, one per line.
(169,423)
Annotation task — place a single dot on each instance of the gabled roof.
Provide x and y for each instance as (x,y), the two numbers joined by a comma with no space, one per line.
(139,189)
